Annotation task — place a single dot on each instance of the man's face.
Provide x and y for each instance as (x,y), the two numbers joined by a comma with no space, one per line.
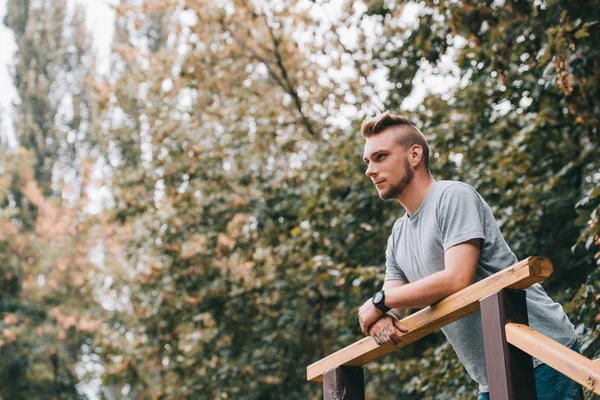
(387,165)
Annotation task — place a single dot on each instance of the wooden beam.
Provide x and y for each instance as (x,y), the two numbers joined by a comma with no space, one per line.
(509,369)
(574,365)
(519,276)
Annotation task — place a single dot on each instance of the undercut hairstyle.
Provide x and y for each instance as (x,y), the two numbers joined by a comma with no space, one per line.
(408,134)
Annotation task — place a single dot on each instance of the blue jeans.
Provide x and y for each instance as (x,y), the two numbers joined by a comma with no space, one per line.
(551,384)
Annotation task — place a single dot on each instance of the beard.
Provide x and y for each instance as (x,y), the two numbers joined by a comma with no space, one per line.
(397,189)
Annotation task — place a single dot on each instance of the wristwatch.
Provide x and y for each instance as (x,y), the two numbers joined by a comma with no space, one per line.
(378,300)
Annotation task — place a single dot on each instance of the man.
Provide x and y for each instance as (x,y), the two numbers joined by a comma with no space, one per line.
(447,240)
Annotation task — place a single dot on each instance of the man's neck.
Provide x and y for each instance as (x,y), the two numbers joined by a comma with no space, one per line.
(416,192)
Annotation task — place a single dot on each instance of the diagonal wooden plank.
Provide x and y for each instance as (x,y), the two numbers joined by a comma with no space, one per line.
(576,366)
(519,276)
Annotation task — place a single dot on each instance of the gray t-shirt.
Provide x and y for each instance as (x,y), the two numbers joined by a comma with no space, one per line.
(452,213)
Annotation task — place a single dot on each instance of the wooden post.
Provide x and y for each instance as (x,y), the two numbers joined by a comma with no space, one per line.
(344,383)
(510,370)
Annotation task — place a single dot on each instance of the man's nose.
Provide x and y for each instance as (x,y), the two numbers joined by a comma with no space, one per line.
(370,172)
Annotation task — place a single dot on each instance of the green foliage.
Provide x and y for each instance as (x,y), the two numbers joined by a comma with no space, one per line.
(585,313)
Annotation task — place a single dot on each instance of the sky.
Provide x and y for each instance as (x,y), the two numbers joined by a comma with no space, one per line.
(7,49)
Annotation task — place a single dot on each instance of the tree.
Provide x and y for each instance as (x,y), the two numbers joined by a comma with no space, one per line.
(47,307)
(230,176)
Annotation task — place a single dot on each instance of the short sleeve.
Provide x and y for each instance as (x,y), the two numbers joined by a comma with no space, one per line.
(460,215)
(392,270)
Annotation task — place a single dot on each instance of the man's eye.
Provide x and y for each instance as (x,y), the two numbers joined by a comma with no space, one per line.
(380,156)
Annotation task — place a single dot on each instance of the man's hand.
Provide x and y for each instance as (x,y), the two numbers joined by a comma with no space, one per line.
(385,330)
(367,315)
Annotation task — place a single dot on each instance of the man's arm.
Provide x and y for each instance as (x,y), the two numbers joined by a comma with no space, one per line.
(389,285)
(460,263)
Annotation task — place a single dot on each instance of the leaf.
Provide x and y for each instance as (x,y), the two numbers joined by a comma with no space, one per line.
(9,335)
(588,242)
(10,319)
(581,33)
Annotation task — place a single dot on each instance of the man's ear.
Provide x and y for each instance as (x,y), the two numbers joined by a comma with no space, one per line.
(416,155)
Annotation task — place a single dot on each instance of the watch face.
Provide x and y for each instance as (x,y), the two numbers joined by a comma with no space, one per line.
(378,297)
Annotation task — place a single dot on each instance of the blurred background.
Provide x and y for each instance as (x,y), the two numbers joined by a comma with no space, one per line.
(183,210)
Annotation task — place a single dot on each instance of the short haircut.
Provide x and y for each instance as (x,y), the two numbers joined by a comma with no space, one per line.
(409,134)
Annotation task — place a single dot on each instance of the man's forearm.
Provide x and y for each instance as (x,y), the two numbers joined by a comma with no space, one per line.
(423,292)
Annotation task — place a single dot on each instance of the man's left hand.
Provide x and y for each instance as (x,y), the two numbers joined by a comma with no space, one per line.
(367,315)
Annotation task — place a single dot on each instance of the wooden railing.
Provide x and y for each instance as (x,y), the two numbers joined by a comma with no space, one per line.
(502,303)
(577,367)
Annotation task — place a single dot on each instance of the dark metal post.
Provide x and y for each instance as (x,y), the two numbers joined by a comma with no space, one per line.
(510,370)
(344,383)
